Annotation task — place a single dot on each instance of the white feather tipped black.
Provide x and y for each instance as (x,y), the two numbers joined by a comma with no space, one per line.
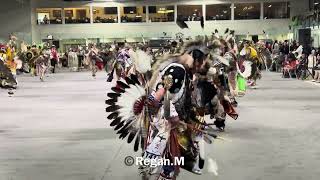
(135,79)
(115,122)
(119,125)
(124,134)
(142,142)
(112,108)
(131,136)
(113,95)
(137,142)
(111,101)
(129,81)
(122,85)
(117,90)
(125,127)
(113,115)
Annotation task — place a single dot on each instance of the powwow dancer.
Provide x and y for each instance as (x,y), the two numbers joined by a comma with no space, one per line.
(122,65)
(165,119)
(8,68)
(94,59)
(251,59)
(42,63)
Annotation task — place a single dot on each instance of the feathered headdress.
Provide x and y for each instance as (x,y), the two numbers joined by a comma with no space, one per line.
(196,45)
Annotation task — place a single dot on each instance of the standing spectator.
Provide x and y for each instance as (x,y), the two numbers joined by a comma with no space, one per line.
(286,47)
(317,70)
(312,62)
(275,47)
(81,53)
(45,19)
(73,60)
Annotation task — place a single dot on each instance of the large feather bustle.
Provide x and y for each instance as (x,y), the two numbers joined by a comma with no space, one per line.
(247,70)
(121,105)
(142,61)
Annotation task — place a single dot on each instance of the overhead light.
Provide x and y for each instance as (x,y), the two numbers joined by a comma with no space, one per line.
(270,6)
(316,3)
(165,11)
(225,12)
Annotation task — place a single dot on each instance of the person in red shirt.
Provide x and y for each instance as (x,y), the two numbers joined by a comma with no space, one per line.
(54,58)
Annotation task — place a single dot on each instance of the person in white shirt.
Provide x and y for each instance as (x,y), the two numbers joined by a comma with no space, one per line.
(312,62)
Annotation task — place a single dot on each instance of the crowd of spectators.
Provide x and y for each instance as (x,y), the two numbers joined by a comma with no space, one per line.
(295,60)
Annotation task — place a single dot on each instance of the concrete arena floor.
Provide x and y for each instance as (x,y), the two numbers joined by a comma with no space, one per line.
(57,130)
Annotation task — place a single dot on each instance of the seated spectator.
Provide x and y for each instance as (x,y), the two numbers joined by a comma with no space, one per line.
(290,66)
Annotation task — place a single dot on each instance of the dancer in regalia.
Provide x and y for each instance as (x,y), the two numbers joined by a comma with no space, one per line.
(42,63)
(251,59)
(7,70)
(166,117)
